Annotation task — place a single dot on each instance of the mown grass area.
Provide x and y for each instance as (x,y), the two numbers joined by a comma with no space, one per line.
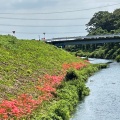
(39,81)
(23,61)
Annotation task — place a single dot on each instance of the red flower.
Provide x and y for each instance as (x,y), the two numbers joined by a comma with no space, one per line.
(15,110)
(2,110)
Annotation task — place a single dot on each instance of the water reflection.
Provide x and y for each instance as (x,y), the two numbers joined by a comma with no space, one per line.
(103,103)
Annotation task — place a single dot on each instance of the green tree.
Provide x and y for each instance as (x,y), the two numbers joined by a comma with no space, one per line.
(104,22)
(100,20)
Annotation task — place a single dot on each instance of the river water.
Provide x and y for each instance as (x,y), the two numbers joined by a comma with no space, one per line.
(103,103)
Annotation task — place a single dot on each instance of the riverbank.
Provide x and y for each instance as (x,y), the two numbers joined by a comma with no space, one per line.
(68,95)
(103,101)
(35,80)
(103,51)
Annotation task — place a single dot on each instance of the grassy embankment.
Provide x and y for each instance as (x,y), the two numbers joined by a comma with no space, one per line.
(39,81)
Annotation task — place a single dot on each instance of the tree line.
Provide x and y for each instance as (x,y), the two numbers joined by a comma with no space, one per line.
(102,22)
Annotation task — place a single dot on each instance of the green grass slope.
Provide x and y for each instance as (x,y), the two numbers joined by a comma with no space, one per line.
(23,61)
(39,81)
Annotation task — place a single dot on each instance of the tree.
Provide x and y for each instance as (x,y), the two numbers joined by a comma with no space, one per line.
(104,22)
(116,18)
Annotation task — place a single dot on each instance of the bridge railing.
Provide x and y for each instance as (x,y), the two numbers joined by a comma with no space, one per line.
(83,37)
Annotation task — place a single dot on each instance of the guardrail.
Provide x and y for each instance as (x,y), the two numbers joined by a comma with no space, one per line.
(84,37)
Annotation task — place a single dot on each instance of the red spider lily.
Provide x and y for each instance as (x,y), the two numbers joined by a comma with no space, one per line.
(87,61)
(2,110)
(23,105)
(54,80)
(47,88)
(5,116)
(74,65)
(66,66)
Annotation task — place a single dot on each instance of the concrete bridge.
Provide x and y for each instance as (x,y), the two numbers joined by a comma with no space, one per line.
(114,38)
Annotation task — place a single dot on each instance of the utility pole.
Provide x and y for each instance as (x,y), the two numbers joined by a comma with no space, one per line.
(13,33)
(39,37)
(44,35)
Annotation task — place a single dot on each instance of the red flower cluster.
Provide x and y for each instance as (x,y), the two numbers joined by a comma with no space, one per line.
(54,80)
(49,84)
(87,61)
(75,65)
(46,88)
(23,105)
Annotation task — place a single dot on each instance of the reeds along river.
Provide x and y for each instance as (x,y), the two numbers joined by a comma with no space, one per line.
(103,103)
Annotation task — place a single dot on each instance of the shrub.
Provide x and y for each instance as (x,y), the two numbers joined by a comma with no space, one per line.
(117,58)
(71,75)
(62,110)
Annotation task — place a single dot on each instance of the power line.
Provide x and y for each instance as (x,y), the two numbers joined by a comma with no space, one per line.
(49,33)
(41,19)
(40,26)
(67,11)
(17,32)
(5,32)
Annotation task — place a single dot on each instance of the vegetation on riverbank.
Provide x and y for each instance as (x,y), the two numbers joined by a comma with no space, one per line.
(101,23)
(40,81)
(106,51)
(68,94)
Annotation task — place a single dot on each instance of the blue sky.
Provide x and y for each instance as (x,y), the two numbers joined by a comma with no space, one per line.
(52,28)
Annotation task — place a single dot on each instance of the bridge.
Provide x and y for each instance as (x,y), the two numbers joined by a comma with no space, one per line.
(94,39)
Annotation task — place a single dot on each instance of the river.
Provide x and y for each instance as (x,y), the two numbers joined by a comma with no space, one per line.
(103,103)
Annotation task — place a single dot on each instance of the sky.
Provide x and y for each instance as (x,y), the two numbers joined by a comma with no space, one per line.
(36,19)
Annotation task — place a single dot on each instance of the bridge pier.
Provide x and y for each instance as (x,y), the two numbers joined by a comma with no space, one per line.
(63,46)
(60,45)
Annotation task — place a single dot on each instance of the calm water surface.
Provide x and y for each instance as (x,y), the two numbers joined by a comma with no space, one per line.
(103,103)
